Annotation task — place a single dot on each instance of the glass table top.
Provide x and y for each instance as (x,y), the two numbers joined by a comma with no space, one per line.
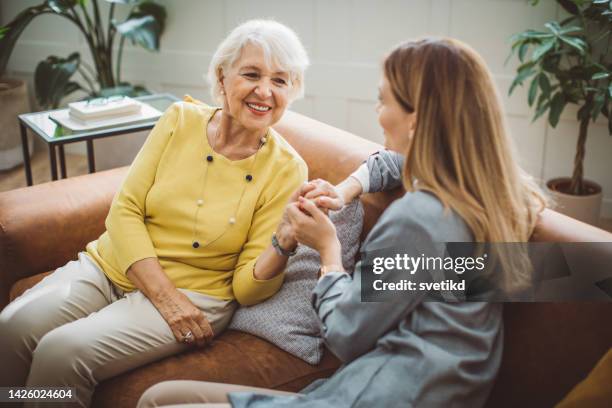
(52,132)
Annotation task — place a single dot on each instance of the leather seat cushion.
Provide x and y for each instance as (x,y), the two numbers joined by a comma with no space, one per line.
(234,357)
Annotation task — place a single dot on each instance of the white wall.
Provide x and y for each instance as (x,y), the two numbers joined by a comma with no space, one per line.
(346,40)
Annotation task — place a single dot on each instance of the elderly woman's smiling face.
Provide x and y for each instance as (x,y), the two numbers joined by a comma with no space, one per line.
(256,95)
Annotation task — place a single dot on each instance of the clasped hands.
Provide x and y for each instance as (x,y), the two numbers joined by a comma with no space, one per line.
(305,219)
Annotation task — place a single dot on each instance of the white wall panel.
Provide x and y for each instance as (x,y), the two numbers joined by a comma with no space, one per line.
(299,15)
(362,120)
(332,37)
(194,25)
(529,142)
(377,26)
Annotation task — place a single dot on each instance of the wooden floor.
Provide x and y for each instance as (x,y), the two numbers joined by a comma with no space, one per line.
(77,165)
(15,177)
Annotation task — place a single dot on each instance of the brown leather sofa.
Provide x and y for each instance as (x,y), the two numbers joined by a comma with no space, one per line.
(549,347)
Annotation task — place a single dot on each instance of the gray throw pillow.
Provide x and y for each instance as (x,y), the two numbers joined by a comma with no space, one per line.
(287,319)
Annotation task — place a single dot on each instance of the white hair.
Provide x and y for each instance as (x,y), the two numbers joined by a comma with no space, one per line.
(281,47)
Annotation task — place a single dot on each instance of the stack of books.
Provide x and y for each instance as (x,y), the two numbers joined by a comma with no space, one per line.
(104,113)
(101,109)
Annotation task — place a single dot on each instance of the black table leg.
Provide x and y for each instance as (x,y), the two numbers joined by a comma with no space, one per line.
(91,160)
(26,153)
(52,162)
(62,160)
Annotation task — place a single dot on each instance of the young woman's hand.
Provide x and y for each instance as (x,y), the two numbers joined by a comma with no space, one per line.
(313,228)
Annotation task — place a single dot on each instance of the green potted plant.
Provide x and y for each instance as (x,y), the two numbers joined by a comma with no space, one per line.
(568,62)
(53,77)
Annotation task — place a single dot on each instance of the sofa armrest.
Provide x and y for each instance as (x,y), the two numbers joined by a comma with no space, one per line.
(44,226)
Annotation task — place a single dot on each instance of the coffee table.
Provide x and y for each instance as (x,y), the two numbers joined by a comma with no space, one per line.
(56,136)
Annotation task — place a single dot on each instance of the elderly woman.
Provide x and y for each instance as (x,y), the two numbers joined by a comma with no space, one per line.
(188,236)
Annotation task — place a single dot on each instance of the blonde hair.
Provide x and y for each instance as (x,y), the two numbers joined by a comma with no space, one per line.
(461,151)
(281,47)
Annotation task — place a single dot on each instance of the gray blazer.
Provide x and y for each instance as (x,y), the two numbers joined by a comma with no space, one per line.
(406,352)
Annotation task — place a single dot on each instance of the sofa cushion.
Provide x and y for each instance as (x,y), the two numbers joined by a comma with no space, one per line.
(26,283)
(288,320)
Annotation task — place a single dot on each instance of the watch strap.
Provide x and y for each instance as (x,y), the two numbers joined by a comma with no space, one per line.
(280,250)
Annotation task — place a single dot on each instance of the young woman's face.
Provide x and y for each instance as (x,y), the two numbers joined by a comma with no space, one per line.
(398,125)
(255,95)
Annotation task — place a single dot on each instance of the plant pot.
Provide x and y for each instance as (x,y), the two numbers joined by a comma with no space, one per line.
(585,208)
(14,101)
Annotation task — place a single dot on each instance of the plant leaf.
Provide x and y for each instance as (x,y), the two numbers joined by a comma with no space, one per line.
(533,91)
(550,63)
(531,35)
(572,29)
(524,71)
(522,51)
(554,27)
(600,75)
(124,1)
(577,43)
(556,107)
(569,6)
(543,49)
(61,6)
(544,84)
(12,31)
(150,8)
(143,31)
(597,106)
(541,110)
(144,25)
(52,77)
(71,87)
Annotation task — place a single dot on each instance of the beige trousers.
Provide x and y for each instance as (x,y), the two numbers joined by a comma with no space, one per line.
(195,394)
(75,328)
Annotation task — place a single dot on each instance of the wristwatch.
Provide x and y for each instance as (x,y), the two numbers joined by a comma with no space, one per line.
(280,250)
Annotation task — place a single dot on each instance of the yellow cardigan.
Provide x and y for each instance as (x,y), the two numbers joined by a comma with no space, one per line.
(153,214)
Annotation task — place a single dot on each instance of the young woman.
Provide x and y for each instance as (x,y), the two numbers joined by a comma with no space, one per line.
(440,111)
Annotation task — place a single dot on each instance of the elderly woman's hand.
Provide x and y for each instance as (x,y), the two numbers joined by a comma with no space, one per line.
(313,228)
(183,317)
(285,233)
(180,314)
(325,195)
